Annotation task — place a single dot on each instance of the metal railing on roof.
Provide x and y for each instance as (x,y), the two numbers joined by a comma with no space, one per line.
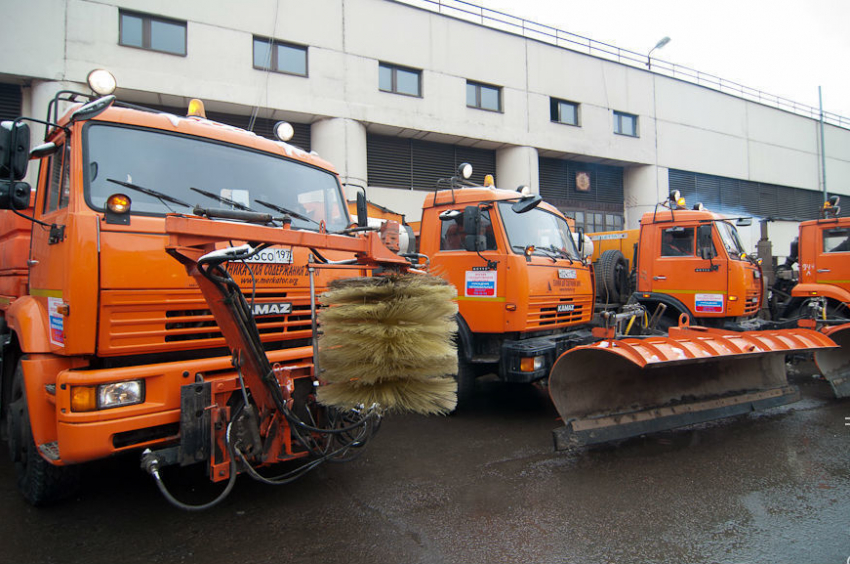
(501,21)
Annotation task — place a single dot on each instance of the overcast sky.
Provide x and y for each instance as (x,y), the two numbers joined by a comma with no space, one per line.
(783,47)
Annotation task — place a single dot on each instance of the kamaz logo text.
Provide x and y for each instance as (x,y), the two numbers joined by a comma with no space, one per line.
(272,309)
(566,307)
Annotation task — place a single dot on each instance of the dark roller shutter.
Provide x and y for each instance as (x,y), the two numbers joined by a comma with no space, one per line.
(394,162)
(388,162)
(742,197)
(430,162)
(10,101)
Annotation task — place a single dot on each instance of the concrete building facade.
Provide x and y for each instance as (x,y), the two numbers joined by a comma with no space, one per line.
(394,95)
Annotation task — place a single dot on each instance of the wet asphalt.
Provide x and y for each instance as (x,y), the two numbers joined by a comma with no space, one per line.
(485,486)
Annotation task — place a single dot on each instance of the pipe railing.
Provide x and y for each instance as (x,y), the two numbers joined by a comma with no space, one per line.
(466,11)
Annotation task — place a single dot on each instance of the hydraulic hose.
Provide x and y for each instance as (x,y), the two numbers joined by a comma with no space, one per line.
(150,463)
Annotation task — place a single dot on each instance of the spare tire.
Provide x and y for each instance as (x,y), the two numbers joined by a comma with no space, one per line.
(612,277)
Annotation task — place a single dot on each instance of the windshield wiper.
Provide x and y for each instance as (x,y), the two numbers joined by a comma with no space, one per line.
(222,199)
(561,253)
(286,211)
(536,249)
(158,195)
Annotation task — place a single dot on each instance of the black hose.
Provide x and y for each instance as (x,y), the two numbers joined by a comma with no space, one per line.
(153,469)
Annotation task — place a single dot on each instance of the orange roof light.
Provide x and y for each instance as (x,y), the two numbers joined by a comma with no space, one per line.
(196,108)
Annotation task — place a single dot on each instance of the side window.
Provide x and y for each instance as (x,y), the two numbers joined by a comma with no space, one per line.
(677,242)
(705,242)
(59,180)
(453,237)
(836,240)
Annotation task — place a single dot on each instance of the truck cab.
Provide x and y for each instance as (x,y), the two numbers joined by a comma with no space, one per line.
(522,284)
(823,251)
(694,262)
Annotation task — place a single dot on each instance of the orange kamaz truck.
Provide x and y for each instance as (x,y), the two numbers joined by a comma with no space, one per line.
(524,293)
(110,345)
(692,262)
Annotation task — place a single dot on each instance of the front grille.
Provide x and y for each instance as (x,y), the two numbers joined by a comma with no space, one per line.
(752,305)
(543,311)
(152,322)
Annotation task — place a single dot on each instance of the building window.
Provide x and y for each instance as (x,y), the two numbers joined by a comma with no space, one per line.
(595,222)
(399,80)
(280,57)
(483,96)
(152,32)
(562,111)
(625,124)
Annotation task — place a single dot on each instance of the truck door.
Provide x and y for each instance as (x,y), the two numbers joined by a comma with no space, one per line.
(63,263)
(832,265)
(690,272)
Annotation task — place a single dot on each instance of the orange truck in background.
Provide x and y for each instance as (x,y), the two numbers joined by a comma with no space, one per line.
(524,293)
(822,251)
(105,337)
(690,261)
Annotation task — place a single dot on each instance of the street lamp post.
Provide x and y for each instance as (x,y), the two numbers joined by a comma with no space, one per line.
(661,43)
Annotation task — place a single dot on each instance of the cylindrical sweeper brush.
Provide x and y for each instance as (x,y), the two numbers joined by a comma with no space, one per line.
(389,340)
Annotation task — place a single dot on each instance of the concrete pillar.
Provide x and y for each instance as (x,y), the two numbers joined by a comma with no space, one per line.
(643,187)
(516,166)
(342,142)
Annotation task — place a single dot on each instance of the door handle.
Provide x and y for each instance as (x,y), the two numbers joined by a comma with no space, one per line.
(659,278)
(822,270)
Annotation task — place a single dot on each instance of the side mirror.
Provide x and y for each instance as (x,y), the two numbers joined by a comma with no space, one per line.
(362,210)
(705,246)
(14,150)
(744,221)
(475,239)
(92,109)
(14,195)
(580,233)
(527,203)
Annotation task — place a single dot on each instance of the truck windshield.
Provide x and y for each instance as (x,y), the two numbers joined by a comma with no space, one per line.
(729,236)
(197,171)
(547,232)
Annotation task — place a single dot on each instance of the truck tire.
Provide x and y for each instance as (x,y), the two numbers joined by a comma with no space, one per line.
(612,277)
(465,377)
(40,482)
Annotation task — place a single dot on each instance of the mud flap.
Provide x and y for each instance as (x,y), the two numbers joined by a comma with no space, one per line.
(834,364)
(615,389)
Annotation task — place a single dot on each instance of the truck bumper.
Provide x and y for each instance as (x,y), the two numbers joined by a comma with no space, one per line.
(539,354)
(90,435)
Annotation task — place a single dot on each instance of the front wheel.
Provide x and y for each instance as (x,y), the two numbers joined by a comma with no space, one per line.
(40,482)
(466,375)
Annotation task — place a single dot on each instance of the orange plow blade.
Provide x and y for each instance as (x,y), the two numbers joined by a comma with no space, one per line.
(834,364)
(615,389)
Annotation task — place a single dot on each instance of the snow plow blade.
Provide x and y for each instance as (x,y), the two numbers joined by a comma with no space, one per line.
(834,364)
(615,389)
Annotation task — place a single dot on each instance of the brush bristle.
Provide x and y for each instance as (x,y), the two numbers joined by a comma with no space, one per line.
(389,340)
(430,397)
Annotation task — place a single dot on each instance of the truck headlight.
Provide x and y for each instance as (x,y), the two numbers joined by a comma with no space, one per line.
(530,364)
(107,396)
